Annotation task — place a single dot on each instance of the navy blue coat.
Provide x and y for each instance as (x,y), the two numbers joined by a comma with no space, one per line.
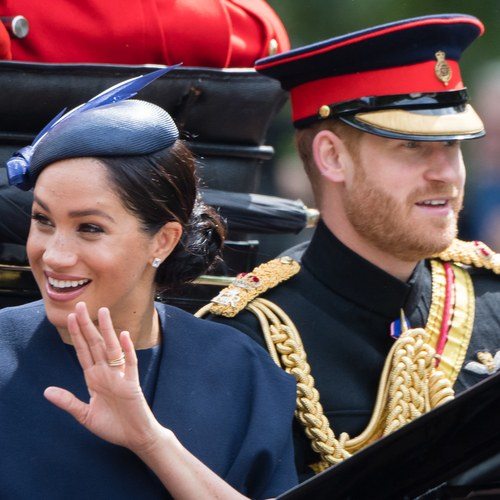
(217,390)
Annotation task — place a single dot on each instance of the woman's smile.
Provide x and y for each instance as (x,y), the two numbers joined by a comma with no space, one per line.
(64,287)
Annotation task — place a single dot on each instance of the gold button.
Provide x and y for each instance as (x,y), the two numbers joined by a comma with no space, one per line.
(324,111)
(273,46)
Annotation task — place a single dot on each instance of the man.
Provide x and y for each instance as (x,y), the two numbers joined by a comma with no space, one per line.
(375,332)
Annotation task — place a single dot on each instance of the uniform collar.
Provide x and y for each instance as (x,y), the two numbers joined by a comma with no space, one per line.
(349,275)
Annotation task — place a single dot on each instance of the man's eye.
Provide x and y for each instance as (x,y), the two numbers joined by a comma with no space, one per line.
(451,144)
(411,144)
(90,228)
(40,219)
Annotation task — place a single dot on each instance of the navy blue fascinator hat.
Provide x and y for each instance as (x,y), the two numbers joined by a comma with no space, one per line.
(107,125)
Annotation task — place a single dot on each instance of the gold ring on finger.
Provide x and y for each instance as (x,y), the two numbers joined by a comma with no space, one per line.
(118,361)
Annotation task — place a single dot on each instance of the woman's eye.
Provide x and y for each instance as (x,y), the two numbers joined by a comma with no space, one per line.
(90,228)
(41,220)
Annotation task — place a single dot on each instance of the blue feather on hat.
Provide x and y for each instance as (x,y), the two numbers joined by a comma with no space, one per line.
(18,166)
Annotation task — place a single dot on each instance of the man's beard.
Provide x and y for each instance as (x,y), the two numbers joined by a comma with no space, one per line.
(391,226)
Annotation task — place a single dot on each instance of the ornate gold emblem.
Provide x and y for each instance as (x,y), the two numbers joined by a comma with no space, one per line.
(442,68)
(247,286)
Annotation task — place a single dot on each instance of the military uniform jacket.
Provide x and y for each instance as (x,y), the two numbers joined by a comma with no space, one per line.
(343,306)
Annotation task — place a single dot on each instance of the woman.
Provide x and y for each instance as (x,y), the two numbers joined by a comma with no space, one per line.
(115,216)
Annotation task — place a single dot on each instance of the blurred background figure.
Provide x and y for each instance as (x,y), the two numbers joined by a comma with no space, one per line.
(482,206)
(214,33)
(5,52)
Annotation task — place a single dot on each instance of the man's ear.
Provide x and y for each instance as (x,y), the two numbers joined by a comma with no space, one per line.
(165,240)
(331,156)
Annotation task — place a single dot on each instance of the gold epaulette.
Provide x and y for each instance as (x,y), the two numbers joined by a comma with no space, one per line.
(472,253)
(247,286)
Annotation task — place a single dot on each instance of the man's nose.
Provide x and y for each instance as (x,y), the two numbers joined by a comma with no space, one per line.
(444,166)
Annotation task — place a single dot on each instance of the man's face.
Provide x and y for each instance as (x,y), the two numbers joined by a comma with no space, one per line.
(404,197)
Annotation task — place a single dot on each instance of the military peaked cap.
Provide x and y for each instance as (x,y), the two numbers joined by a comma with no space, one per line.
(398,80)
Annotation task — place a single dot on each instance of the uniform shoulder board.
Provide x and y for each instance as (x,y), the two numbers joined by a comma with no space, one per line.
(247,286)
(472,253)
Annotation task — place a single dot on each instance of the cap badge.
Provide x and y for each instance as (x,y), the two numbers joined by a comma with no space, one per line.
(442,68)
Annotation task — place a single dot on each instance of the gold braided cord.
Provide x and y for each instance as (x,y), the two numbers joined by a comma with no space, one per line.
(409,386)
(460,333)
(287,351)
(460,330)
(472,253)
(281,331)
(438,293)
(414,387)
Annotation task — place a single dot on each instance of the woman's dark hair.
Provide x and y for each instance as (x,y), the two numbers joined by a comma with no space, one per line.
(163,187)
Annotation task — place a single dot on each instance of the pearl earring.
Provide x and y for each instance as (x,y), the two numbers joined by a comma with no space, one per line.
(156,263)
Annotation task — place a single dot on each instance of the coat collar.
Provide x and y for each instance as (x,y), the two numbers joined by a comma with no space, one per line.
(351,276)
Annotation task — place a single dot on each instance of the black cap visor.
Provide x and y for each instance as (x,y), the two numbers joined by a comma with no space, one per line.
(437,116)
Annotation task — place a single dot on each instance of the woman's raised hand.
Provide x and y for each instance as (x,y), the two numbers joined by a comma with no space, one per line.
(117,410)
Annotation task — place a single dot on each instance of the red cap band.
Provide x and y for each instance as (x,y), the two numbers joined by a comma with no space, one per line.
(309,97)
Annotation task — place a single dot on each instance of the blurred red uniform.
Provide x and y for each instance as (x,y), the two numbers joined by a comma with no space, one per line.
(5,52)
(215,33)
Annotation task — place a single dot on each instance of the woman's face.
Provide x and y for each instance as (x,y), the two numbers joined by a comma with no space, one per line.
(85,246)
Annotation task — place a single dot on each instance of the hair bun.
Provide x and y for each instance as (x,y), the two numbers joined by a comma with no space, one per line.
(198,250)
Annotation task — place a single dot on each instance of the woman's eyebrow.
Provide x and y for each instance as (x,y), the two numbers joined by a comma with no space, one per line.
(77,213)
(38,201)
(90,211)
